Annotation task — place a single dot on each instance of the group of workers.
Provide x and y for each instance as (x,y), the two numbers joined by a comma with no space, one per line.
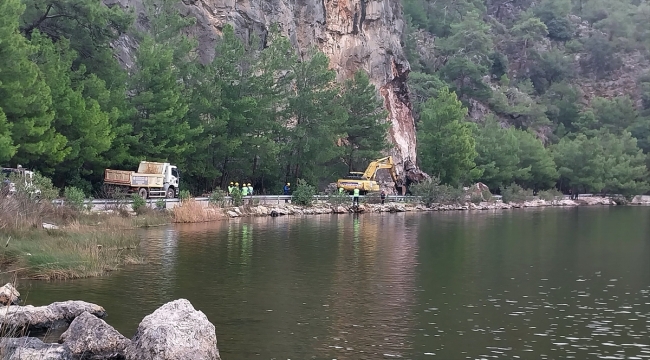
(245,189)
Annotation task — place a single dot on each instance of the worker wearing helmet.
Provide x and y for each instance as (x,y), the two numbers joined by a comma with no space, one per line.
(230,188)
(244,189)
(287,191)
(250,189)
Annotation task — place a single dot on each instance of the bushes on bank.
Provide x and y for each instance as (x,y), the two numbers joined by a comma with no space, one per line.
(303,194)
(515,194)
(432,192)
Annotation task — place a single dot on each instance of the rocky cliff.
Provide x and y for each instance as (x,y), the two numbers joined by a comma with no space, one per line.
(355,34)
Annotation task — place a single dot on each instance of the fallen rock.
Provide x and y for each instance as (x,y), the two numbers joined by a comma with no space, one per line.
(232,214)
(641,200)
(90,337)
(9,295)
(31,348)
(42,318)
(174,331)
(50,226)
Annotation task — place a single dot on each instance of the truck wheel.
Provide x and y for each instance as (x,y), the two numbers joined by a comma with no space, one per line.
(143,193)
(171,193)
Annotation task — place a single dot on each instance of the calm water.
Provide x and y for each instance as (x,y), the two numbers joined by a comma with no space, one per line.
(538,284)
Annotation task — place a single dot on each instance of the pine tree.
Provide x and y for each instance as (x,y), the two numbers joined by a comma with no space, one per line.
(315,122)
(160,120)
(7,148)
(24,96)
(78,116)
(446,147)
(366,128)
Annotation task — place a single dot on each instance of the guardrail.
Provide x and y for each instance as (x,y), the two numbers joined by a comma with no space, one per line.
(260,198)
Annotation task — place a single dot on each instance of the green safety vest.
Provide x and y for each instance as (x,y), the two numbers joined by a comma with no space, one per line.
(244,190)
(229,189)
(356,192)
(250,190)
(340,190)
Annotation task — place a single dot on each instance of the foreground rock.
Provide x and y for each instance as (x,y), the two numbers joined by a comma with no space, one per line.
(174,331)
(89,337)
(9,295)
(29,348)
(43,318)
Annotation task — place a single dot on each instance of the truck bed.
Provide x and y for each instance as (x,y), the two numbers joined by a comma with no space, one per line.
(132,179)
(117,177)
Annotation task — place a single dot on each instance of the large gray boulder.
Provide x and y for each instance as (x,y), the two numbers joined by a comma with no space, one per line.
(175,331)
(9,295)
(43,318)
(30,348)
(90,337)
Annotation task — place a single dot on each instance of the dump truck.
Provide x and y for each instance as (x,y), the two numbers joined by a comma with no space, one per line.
(152,180)
(8,187)
(366,181)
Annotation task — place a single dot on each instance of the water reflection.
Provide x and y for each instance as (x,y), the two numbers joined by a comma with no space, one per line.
(542,284)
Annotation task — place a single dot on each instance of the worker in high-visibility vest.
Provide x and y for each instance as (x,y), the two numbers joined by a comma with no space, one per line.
(244,190)
(356,197)
(230,188)
(250,189)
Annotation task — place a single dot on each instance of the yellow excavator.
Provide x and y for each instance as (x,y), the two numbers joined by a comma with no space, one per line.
(365,181)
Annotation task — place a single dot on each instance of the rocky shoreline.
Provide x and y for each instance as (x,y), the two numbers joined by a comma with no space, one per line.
(174,331)
(394,207)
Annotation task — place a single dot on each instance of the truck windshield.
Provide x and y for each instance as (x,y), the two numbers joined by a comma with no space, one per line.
(176,173)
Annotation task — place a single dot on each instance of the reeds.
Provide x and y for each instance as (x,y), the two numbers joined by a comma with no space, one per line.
(190,211)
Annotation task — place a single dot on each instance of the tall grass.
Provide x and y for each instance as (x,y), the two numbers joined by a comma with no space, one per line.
(190,211)
(82,245)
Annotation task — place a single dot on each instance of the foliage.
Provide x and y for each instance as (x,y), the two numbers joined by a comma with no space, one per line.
(217,197)
(337,198)
(138,203)
(550,195)
(365,128)
(446,147)
(303,194)
(184,195)
(432,192)
(237,197)
(74,198)
(161,204)
(515,194)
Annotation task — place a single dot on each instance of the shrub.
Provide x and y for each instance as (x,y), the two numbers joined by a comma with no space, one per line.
(184,195)
(487,195)
(476,198)
(432,192)
(303,194)
(139,204)
(161,204)
(550,195)
(217,198)
(237,197)
(337,198)
(74,198)
(515,194)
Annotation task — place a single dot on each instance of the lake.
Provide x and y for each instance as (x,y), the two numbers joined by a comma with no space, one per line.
(532,284)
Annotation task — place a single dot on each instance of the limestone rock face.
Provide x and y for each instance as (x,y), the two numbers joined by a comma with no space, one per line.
(9,295)
(355,34)
(89,337)
(175,331)
(41,318)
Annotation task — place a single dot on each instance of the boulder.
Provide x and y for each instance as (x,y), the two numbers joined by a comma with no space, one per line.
(9,295)
(42,318)
(174,331)
(90,337)
(641,200)
(30,348)
(232,214)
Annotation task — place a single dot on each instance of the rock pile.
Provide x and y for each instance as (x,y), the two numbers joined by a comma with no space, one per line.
(174,331)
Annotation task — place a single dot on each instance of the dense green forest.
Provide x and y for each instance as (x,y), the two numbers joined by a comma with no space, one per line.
(529,73)
(256,113)
(527,65)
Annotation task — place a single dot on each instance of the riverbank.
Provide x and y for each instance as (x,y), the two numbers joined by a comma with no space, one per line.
(392,207)
(57,243)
